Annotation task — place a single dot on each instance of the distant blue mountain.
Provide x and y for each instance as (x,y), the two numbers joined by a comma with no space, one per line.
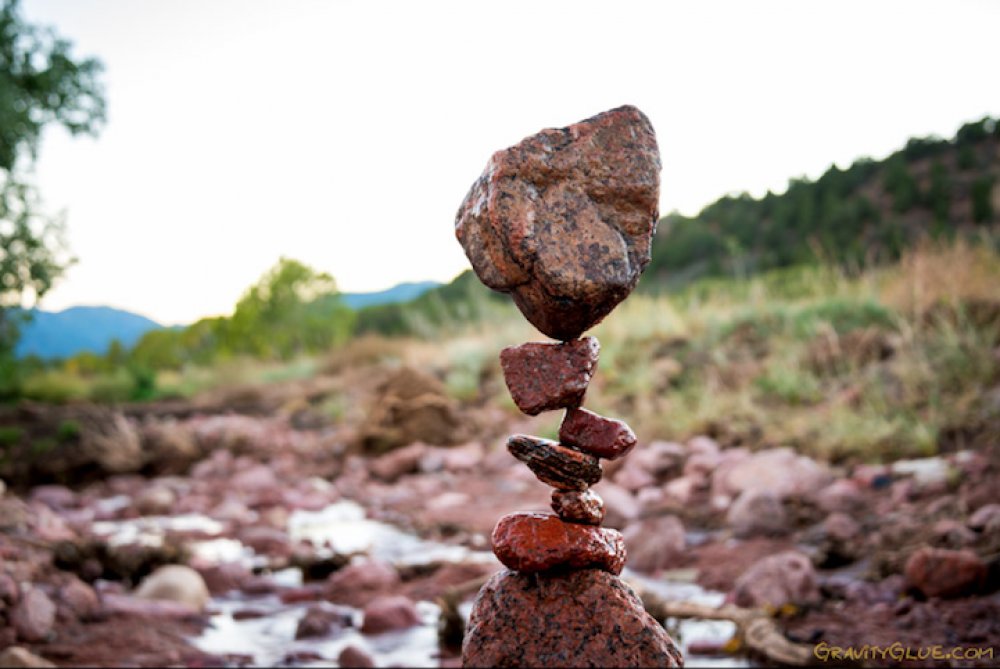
(65,333)
(403,292)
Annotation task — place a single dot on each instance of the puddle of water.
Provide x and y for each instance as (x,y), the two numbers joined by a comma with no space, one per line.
(149,530)
(343,528)
(689,630)
(269,640)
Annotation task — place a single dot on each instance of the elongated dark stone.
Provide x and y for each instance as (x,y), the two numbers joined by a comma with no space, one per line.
(556,465)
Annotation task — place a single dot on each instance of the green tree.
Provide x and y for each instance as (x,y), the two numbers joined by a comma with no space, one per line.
(291,310)
(41,84)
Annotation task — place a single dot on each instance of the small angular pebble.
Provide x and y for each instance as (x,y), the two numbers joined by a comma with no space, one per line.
(553,464)
(564,221)
(530,542)
(546,376)
(575,506)
(604,437)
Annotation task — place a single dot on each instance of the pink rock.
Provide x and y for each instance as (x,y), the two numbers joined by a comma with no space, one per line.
(702,444)
(655,543)
(683,490)
(223,577)
(949,533)
(80,599)
(633,477)
(779,579)
(390,612)
(620,505)
(843,495)
(254,479)
(267,541)
(146,608)
(986,519)
(357,583)
(352,656)
(320,621)
(779,470)
(564,220)
(399,462)
(34,616)
(56,497)
(757,513)
(939,572)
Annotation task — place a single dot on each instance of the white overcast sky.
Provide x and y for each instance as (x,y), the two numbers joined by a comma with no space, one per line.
(345,134)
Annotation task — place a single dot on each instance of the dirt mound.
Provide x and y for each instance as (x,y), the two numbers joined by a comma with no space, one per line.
(411,406)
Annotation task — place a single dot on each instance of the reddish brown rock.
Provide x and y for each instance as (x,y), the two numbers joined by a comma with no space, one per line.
(320,621)
(542,377)
(939,572)
(391,612)
(575,506)
(656,543)
(564,220)
(560,467)
(585,618)
(532,542)
(352,656)
(783,578)
(604,437)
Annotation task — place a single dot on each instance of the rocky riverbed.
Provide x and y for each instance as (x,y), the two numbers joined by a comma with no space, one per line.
(305,547)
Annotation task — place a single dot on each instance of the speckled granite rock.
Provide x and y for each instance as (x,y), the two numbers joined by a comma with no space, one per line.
(564,220)
(532,542)
(560,467)
(545,376)
(578,506)
(597,435)
(585,618)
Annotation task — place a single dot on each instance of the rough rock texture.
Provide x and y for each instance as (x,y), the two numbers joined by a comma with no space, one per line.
(586,618)
(564,220)
(542,377)
(604,437)
(532,542)
(575,506)
(558,466)
(940,572)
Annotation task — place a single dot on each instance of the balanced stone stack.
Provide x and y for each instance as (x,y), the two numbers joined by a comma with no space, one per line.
(564,222)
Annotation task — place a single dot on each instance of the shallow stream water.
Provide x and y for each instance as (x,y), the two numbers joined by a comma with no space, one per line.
(260,630)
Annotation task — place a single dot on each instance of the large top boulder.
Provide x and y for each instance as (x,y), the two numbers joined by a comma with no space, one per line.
(564,220)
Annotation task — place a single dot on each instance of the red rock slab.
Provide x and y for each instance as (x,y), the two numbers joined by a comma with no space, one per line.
(546,376)
(604,437)
(575,506)
(531,542)
(560,467)
(564,221)
(585,618)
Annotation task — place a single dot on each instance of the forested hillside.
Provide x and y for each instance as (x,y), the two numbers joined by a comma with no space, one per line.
(865,214)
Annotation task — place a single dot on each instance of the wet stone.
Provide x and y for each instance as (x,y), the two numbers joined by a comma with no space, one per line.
(564,220)
(546,376)
(532,542)
(604,437)
(560,467)
(575,506)
(585,618)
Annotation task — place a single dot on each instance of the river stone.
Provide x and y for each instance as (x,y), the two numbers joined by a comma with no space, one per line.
(545,376)
(560,467)
(539,541)
(576,506)
(564,221)
(585,618)
(597,435)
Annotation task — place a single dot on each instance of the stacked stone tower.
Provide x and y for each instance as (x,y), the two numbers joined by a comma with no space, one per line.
(564,221)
